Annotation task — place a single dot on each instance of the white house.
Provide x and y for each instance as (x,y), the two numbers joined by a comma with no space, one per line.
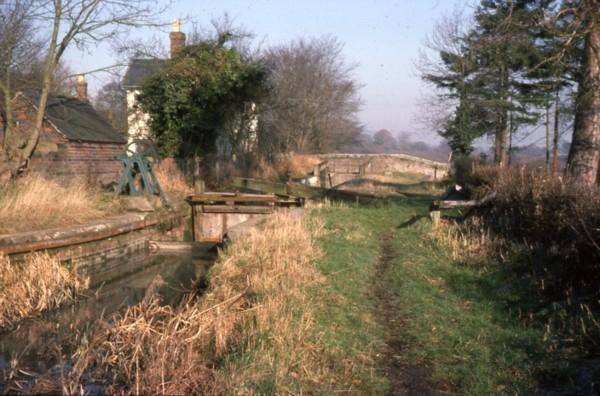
(138,70)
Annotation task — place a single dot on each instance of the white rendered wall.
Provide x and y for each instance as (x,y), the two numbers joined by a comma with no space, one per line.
(137,121)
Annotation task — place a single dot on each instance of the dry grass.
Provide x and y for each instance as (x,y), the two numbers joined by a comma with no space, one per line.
(405,184)
(33,203)
(37,284)
(370,186)
(467,240)
(171,177)
(253,325)
(300,165)
(400,178)
(289,166)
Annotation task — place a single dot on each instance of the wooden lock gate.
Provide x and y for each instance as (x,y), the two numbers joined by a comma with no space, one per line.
(214,213)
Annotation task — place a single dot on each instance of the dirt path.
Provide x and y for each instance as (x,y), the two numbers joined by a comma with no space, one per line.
(404,379)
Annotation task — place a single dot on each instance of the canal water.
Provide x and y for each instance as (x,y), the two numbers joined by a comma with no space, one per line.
(34,341)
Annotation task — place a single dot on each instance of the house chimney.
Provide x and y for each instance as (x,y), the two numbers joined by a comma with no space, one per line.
(177,38)
(81,87)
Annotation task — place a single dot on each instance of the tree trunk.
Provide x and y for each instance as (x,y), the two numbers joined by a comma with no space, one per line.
(502,131)
(500,154)
(14,166)
(555,137)
(547,137)
(584,155)
(510,140)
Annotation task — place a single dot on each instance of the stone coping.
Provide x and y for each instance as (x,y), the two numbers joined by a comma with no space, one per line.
(389,155)
(32,241)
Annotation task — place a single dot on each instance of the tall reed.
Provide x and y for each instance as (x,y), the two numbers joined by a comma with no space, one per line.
(253,324)
(34,285)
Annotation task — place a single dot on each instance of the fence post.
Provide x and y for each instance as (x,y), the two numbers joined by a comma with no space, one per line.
(435,217)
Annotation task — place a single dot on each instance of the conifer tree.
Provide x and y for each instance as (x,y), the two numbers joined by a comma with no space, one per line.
(503,47)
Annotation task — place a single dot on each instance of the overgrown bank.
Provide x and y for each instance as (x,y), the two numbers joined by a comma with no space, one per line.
(252,331)
(305,305)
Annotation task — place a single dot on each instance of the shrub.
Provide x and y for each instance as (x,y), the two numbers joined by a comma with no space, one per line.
(475,177)
(558,222)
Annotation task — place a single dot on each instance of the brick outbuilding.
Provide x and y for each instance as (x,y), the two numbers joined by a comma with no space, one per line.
(76,141)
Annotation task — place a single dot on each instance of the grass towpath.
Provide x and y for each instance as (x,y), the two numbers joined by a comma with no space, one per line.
(409,320)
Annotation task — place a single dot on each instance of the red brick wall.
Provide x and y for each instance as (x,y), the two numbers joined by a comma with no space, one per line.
(94,162)
(56,156)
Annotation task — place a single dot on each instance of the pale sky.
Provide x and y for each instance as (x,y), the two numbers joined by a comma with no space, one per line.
(382,37)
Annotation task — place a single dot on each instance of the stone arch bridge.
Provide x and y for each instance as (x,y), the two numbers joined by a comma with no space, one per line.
(336,169)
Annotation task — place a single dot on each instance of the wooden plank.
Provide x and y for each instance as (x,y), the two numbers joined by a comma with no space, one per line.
(287,189)
(437,205)
(236,209)
(455,204)
(232,198)
(259,185)
(306,192)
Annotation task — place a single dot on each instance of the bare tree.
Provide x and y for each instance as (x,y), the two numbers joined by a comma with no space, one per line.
(453,109)
(315,98)
(447,37)
(111,101)
(67,22)
(18,52)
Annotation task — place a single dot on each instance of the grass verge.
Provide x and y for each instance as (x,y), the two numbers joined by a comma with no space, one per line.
(460,320)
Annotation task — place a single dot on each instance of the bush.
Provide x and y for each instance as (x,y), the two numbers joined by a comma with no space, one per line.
(558,222)
(474,176)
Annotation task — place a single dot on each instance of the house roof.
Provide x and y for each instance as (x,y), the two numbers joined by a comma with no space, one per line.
(78,120)
(140,69)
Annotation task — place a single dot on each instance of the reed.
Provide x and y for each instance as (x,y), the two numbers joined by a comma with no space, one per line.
(254,311)
(34,285)
(171,177)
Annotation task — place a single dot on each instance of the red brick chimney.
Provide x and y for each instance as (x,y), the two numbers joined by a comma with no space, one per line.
(177,38)
(81,87)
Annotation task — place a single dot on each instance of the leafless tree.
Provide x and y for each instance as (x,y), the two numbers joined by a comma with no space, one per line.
(314,96)
(66,23)
(112,103)
(18,48)
(447,36)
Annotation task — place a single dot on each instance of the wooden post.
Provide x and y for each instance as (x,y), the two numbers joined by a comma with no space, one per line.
(435,217)
(199,186)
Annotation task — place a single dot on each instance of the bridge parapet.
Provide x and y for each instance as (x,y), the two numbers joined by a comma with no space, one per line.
(339,168)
